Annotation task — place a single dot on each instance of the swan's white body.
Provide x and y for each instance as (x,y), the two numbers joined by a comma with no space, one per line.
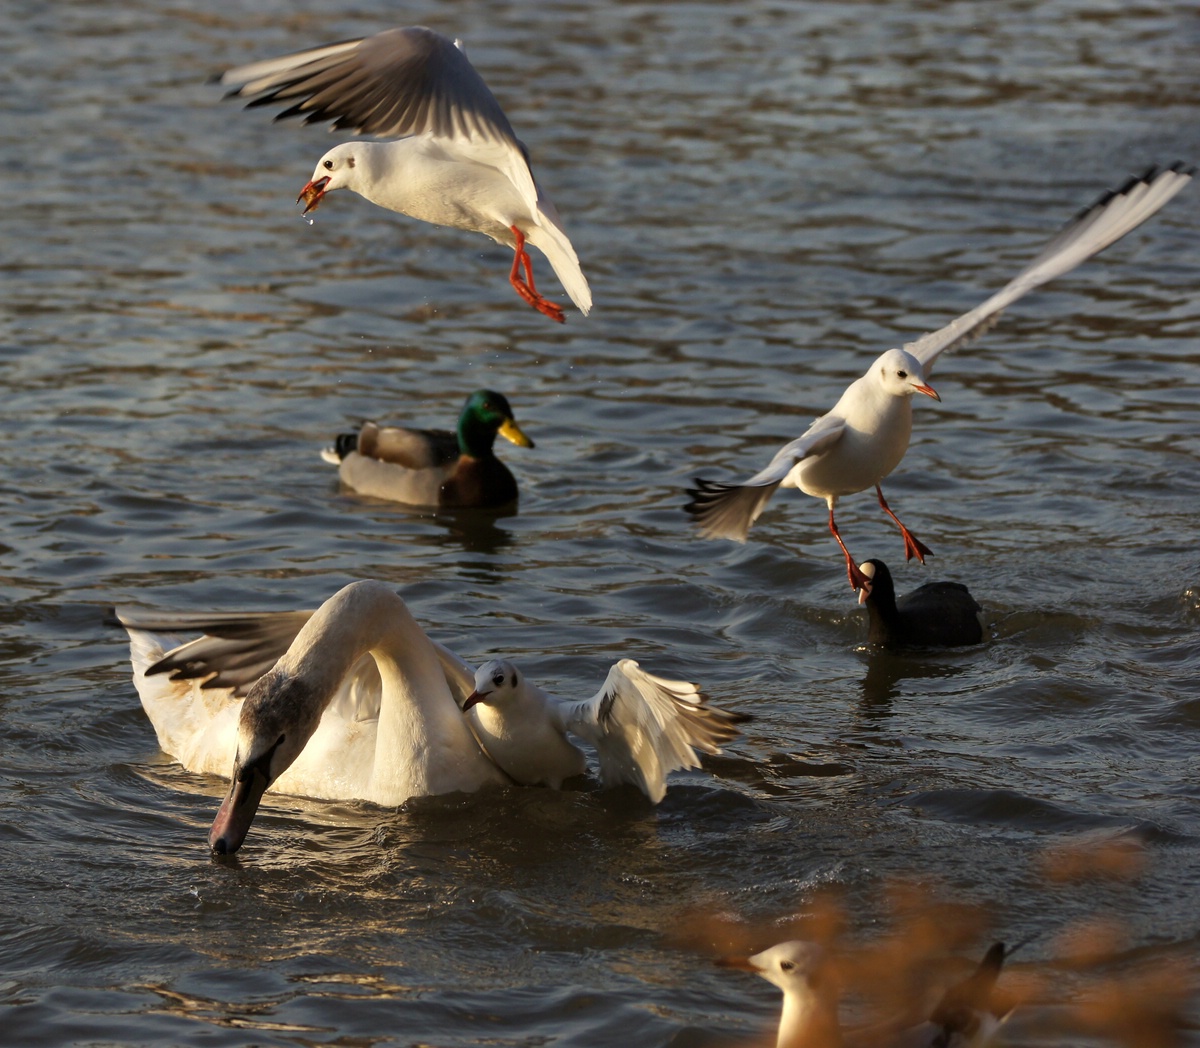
(354,701)
(356,707)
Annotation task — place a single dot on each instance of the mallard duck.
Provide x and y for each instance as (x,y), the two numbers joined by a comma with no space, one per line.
(355,701)
(936,615)
(864,437)
(433,467)
(455,162)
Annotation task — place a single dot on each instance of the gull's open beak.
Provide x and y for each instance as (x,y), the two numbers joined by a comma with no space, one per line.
(511,431)
(929,391)
(313,193)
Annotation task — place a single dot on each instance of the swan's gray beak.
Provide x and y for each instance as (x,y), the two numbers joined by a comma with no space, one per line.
(237,811)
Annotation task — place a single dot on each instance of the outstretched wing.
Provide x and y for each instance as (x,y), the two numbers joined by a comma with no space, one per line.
(644,727)
(233,651)
(726,511)
(400,82)
(1112,216)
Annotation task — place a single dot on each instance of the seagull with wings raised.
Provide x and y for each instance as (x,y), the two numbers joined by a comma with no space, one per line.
(453,159)
(859,442)
(642,727)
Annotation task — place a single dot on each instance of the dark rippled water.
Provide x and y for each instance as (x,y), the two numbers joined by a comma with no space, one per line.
(764,196)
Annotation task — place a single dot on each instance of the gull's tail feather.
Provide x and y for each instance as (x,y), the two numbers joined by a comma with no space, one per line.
(726,511)
(551,239)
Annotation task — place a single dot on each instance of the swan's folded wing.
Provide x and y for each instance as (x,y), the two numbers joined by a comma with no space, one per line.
(1112,216)
(233,651)
(460,674)
(644,727)
(726,511)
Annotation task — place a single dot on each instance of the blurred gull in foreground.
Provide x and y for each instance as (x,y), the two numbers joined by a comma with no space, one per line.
(864,437)
(455,160)
(963,1018)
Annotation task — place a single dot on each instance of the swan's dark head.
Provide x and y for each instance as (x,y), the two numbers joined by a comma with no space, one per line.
(277,719)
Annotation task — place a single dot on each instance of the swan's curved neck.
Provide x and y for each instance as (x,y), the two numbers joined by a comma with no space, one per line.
(423,744)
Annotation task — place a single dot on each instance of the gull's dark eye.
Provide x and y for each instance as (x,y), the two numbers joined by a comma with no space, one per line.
(498,679)
(328,165)
(786,966)
(902,374)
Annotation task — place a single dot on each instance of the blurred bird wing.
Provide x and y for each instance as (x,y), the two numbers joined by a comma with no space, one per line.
(728,510)
(817,439)
(460,674)
(410,448)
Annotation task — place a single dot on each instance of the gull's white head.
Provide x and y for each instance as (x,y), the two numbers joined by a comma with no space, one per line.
(795,967)
(495,681)
(337,169)
(900,374)
(810,995)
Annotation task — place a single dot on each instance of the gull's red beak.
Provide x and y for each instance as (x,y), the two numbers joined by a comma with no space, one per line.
(313,193)
(474,699)
(929,391)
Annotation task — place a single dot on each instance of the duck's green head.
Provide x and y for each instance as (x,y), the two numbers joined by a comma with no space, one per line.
(485,414)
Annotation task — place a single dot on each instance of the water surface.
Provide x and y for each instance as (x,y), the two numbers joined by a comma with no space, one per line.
(764,197)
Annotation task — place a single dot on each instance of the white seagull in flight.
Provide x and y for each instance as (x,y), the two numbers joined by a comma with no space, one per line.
(454,159)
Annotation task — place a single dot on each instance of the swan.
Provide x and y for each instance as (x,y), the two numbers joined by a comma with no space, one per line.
(355,707)
(964,1017)
(642,726)
(354,701)
(432,467)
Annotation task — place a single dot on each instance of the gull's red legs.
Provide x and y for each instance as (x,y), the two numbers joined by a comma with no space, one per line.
(525,288)
(913,546)
(857,579)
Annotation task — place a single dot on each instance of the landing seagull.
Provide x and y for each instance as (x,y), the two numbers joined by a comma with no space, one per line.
(866,434)
(455,160)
